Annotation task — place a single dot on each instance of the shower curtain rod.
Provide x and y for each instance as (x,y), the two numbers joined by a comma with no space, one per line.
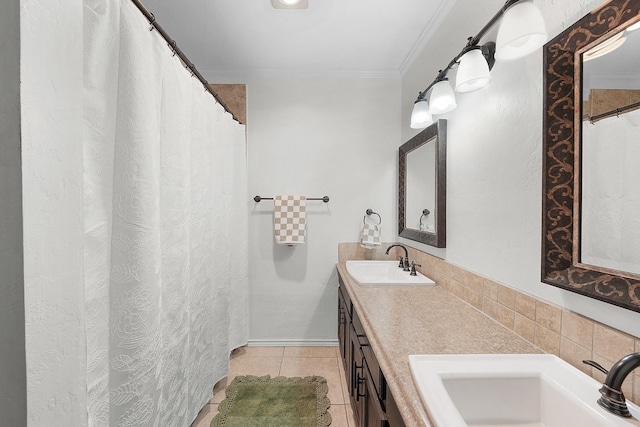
(174,47)
(615,112)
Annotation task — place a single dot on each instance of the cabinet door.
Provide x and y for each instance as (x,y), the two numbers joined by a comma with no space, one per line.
(393,413)
(357,380)
(374,415)
(343,327)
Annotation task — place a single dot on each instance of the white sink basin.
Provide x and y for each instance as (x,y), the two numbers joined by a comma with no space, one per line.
(384,273)
(530,390)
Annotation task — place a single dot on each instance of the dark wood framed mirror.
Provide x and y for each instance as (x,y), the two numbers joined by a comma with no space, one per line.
(565,227)
(422,189)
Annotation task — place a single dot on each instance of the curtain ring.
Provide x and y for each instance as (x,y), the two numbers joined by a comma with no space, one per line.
(152,21)
(173,45)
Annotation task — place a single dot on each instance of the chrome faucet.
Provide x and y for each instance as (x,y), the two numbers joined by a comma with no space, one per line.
(403,263)
(612,398)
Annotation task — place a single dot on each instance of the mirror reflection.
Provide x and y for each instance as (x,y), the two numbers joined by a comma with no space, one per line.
(422,178)
(571,199)
(421,188)
(610,176)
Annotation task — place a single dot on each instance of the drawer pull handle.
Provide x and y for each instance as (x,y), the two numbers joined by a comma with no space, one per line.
(360,380)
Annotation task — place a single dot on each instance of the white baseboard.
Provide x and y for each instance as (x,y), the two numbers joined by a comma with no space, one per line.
(293,343)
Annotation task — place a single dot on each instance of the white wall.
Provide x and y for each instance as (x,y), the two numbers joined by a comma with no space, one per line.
(13,379)
(315,136)
(51,103)
(494,183)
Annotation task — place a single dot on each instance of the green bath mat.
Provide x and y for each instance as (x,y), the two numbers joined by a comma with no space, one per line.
(274,402)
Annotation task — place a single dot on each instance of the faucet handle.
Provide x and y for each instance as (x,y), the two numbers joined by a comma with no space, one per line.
(595,365)
(413,268)
(401,265)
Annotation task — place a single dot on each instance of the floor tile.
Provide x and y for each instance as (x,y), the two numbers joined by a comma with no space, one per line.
(343,382)
(311,352)
(350,416)
(205,416)
(289,362)
(258,366)
(258,352)
(325,367)
(219,391)
(338,416)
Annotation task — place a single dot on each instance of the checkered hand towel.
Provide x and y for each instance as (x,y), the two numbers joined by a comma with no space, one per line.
(289,219)
(370,235)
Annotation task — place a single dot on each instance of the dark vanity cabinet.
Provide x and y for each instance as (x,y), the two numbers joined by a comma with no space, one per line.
(372,403)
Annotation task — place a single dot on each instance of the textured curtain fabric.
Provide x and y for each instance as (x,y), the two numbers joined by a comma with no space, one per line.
(611,195)
(165,227)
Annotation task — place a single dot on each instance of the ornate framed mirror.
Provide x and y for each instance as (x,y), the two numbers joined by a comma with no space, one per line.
(590,228)
(422,190)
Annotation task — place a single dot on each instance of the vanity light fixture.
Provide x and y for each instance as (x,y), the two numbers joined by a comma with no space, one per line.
(442,99)
(634,27)
(420,116)
(521,32)
(473,71)
(290,4)
(605,47)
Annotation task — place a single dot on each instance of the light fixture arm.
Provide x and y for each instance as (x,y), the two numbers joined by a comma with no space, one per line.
(475,40)
(488,49)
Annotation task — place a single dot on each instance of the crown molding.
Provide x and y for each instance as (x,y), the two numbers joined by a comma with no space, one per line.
(441,12)
(212,74)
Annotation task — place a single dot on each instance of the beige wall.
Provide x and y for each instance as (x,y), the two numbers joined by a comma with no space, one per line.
(235,98)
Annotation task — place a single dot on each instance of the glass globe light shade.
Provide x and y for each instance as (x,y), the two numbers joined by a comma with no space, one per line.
(420,117)
(521,31)
(442,98)
(473,72)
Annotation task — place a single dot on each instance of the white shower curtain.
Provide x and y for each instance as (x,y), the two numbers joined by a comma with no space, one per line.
(165,227)
(611,196)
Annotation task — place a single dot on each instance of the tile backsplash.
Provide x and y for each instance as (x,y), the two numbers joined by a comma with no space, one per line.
(553,329)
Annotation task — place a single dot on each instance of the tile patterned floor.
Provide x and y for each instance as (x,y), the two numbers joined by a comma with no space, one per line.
(288,362)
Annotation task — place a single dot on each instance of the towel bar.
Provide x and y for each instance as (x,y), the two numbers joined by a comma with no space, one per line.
(325,199)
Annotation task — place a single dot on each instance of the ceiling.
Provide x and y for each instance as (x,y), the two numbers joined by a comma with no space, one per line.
(354,37)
